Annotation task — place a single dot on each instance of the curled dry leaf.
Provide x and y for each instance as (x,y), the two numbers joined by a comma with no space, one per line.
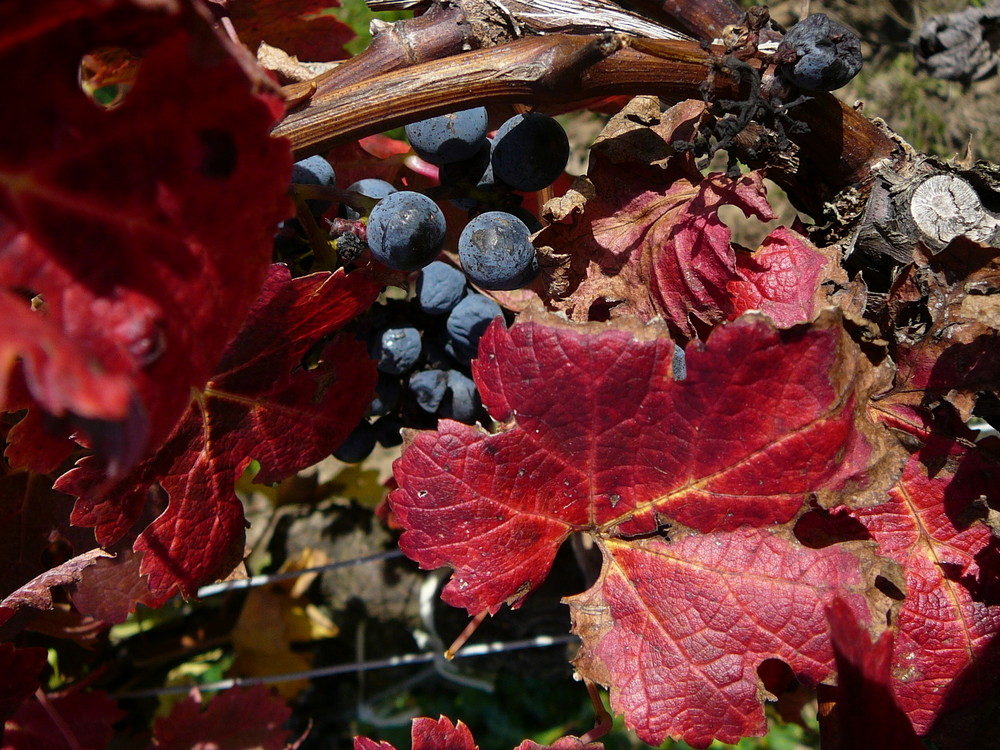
(641,235)
(945,311)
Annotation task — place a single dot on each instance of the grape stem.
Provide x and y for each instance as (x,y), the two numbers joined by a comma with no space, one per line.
(603,721)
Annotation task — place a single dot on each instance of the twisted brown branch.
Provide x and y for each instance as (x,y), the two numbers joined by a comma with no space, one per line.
(837,152)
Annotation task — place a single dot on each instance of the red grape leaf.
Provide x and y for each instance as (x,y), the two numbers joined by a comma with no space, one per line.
(691,257)
(110,588)
(20,668)
(946,318)
(37,593)
(89,716)
(363,743)
(299,27)
(656,250)
(865,714)
(262,404)
(678,630)
(947,623)
(59,373)
(442,734)
(235,719)
(598,437)
(123,219)
(782,279)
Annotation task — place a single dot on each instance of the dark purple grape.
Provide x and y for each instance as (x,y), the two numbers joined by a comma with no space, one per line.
(314,171)
(406,230)
(462,403)
(358,445)
(428,386)
(386,397)
(388,431)
(467,323)
(530,151)
(530,220)
(496,251)
(448,138)
(468,175)
(818,54)
(439,288)
(397,349)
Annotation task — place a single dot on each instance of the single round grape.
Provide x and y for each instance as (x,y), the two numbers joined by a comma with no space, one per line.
(467,323)
(370,187)
(358,445)
(496,251)
(429,387)
(406,230)
(448,138)
(439,288)
(397,349)
(818,54)
(462,403)
(530,151)
(314,171)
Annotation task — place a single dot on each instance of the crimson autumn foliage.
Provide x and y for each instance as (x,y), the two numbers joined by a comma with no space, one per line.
(625,451)
(733,508)
(145,325)
(260,405)
(144,273)
(804,491)
(235,719)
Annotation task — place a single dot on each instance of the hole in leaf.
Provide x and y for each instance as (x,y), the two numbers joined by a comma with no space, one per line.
(888,588)
(746,231)
(107,75)
(913,321)
(776,676)
(819,528)
(600,310)
(218,154)
(751,231)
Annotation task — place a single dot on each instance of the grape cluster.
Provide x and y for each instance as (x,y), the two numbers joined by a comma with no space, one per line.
(423,346)
(529,152)
(406,230)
